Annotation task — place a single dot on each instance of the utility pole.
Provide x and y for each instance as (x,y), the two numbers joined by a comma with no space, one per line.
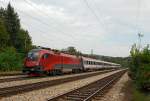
(92,52)
(140,35)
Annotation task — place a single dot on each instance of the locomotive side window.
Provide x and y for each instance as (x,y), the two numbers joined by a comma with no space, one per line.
(45,56)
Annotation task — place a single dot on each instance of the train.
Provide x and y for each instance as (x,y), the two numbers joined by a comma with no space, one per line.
(46,61)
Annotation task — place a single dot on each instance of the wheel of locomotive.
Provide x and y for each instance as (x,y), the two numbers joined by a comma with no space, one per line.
(59,72)
(76,70)
(55,72)
(49,73)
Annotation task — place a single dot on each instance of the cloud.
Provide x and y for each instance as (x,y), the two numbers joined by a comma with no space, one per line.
(63,23)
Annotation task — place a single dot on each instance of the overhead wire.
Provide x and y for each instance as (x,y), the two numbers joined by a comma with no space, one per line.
(100,16)
(37,20)
(43,13)
(46,24)
(75,19)
(94,13)
(138,16)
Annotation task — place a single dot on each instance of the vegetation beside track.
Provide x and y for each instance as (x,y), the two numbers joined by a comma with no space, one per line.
(140,67)
(132,93)
(10,73)
(14,40)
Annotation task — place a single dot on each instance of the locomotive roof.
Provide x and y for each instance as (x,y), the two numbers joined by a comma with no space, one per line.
(73,56)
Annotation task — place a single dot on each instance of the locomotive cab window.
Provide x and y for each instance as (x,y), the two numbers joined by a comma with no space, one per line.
(45,56)
(33,55)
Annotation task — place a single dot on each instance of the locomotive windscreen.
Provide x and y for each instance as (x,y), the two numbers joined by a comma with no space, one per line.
(33,55)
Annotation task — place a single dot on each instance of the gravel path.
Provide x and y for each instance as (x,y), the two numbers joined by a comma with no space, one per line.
(29,81)
(115,93)
(43,94)
(5,77)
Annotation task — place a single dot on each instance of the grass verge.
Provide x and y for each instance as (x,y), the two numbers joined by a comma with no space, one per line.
(134,94)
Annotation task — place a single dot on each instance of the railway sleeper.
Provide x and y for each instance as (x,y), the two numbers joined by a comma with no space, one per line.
(74,99)
(81,96)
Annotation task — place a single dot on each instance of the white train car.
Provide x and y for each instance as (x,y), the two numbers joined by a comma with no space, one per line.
(94,64)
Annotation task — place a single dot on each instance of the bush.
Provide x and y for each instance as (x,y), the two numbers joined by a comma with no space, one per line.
(10,60)
(143,76)
(140,66)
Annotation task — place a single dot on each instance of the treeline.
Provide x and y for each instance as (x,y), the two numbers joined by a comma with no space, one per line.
(14,40)
(124,61)
(140,66)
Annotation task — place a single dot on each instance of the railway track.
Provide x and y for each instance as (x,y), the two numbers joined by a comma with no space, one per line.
(25,77)
(9,91)
(91,91)
(13,79)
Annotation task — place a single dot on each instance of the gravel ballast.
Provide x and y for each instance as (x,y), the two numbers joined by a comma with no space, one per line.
(5,77)
(38,79)
(43,94)
(115,93)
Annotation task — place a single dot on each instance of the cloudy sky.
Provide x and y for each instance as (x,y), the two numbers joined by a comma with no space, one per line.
(109,27)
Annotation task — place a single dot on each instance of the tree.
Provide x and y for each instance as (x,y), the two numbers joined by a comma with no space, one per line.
(24,43)
(12,23)
(71,50)
(4,36)
(2,13)
(14,41)
(10,60)
(140,66)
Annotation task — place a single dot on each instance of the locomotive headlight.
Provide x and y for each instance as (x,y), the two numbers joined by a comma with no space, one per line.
(37,64)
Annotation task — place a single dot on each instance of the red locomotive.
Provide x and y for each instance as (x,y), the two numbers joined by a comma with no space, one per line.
(45,61)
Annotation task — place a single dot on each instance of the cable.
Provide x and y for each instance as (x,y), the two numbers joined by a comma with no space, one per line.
(40,21)
(104,25)
(39,28)
(41,12)
(138,15)
(93,12)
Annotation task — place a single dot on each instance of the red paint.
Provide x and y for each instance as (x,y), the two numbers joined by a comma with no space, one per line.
(50,62)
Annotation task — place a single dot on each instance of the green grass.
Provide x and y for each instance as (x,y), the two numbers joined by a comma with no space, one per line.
(10,73)
(139,95)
